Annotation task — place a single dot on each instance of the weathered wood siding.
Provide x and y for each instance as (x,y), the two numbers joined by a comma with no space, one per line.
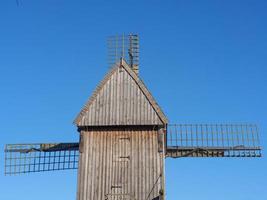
(121,99)
(120,163)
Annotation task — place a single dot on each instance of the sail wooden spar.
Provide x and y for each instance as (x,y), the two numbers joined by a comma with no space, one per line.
(26,158)
(212,140)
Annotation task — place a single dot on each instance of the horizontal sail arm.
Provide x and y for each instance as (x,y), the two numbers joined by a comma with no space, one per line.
(26,158)
(213,140)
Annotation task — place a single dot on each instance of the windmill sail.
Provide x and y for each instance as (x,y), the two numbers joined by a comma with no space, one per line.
(213,140)
(26,158)
(126,47)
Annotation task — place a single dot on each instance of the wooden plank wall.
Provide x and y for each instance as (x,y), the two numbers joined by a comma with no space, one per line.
(120,163)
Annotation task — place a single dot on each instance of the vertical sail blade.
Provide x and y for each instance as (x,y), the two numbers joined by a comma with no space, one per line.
(27,158)
(213,140)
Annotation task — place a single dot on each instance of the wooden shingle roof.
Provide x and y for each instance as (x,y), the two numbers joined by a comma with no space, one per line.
(121,99)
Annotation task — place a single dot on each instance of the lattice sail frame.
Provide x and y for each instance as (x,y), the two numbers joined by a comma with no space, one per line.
(213,140)
(26,158)
(123,46)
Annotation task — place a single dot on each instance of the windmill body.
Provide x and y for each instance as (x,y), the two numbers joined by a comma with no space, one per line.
(125,138)
(122,140)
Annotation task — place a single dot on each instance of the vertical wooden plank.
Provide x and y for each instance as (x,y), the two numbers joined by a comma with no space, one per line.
(104,104)
(108,104)
(117,97)
(128,99)
(88,172)
(120,103)
(145,161)
(100,166)
(104,167)
(132,117)
(93,164)
(112,95)
(124,97)
(85,167)
(151,162)
(121,117)
(134,180)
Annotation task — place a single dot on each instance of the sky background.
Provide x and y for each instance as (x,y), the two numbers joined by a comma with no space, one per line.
(204,62)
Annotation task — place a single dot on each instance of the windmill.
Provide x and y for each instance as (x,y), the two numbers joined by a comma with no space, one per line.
(125,137)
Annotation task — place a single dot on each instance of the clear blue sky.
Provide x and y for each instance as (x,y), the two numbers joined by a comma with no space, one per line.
(204,61)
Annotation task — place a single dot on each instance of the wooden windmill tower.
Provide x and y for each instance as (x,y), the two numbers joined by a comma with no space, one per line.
(125,138)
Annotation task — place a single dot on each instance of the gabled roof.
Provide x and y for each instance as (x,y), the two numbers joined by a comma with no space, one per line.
(121,99)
